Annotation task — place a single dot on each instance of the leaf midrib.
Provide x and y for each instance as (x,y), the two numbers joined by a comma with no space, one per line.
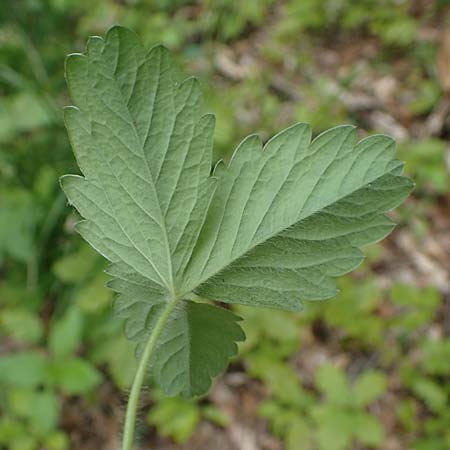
(169,283)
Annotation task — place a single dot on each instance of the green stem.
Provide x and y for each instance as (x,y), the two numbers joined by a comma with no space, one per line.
(133,401)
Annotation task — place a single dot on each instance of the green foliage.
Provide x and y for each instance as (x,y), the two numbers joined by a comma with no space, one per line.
(178,417)
(281,381)
(65,336)
(342,417)
(417,307)
(194,347)
(435,357)
(25,369)
(353,311)
(143,161)
(423,378)
(31,380)
(428,95)
(271,327)
(335,422)
(17,225)
(426,163)
(321,106)
(21,325)
(281,57)
(388,19)
(175,417)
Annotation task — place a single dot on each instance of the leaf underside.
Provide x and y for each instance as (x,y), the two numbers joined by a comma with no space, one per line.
(272,228)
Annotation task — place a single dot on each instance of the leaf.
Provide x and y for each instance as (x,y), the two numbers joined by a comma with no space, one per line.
(65,335)
(436,357)
(273,227)
(175,417)
(56,440)
(23,369)
(22,112)
(195,346)
(17,224)
(280,379)
(417,307)
(335,427)
(76,267)
(369,430)
(368,387)
(21,324)
(118,354)
(299,436)
(43,416)
(431,392)
(75,376)
(332,382)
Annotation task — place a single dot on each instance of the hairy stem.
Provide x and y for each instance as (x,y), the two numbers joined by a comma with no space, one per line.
(133,401)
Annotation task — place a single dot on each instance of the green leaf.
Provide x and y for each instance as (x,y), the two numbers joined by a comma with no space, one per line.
(354,311)
(368,387)
(273,227)
(332,382)
(280,379)
(117,353)
(175,417)
(369,430)
(335,427)
(24,369)
(262,325)
(195,334)
(426,162)
(22,112)
(57,440)
(24,442)
(301,210)
(44,413)
(75,376)
(21,325)
(76,267)
(417,306)
(10,429)
(93,296)
(194,347)
(436,357)
(433,394)
(17,224)
(65,335)
(299,436)
(215,415)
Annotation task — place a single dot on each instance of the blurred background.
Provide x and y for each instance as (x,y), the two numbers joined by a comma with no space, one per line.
(369,369)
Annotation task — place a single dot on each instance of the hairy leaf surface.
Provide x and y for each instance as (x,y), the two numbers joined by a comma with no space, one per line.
(272,228)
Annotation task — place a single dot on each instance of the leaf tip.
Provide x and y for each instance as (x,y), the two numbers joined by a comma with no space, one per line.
(160,51)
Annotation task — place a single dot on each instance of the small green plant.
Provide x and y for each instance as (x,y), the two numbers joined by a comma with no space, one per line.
(335,421)
(178,417)
(275,225)
(426,378)
(353,312)
(30,377)
(426,163)
(342,417)
(416,306)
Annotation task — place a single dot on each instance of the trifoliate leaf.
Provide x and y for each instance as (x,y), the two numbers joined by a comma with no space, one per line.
(270,229)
